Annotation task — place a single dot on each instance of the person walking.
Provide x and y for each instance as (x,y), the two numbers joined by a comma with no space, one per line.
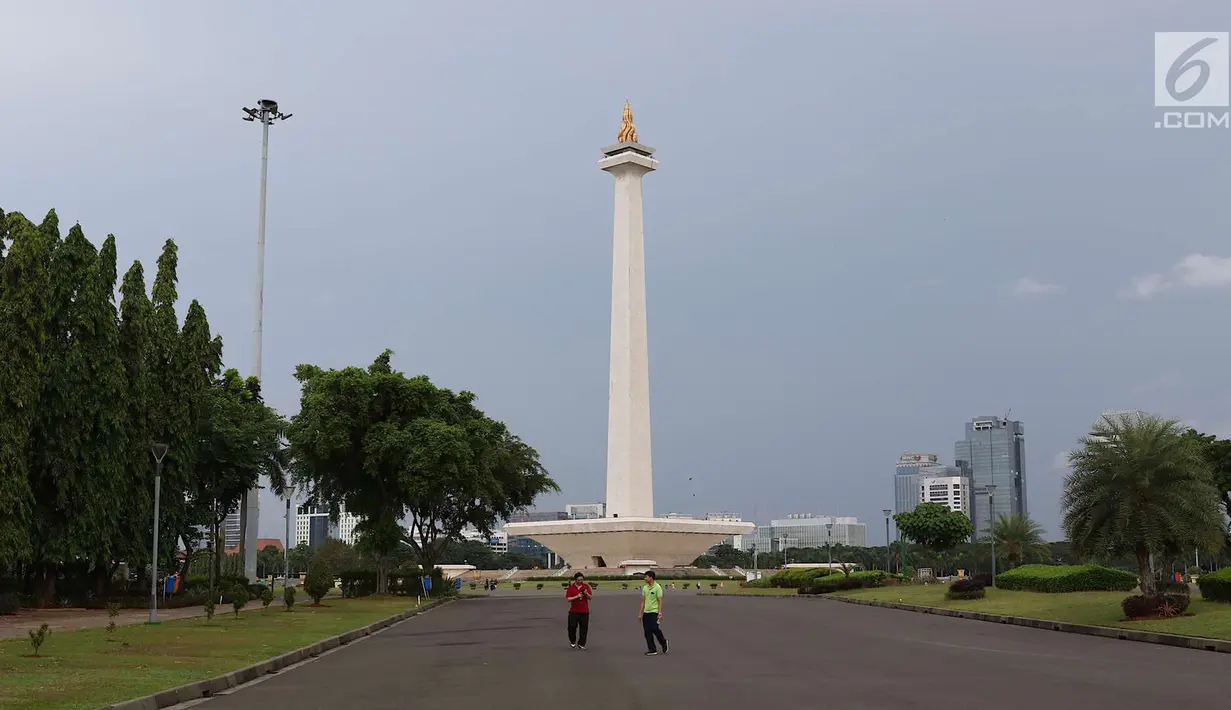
(578,596)
(651,614)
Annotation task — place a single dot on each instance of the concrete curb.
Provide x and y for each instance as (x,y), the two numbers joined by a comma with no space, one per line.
(213,686)
(1194,642)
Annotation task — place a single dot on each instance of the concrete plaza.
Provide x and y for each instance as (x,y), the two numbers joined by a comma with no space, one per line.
(510,652)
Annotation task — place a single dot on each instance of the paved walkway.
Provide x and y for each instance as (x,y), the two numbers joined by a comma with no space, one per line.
(729,652)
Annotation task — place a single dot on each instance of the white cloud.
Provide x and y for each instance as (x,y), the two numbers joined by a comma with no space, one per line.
(1193,271)
(1025,287)
(1146,287)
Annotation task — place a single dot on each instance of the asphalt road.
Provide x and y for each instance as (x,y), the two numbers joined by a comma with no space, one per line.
(510,653)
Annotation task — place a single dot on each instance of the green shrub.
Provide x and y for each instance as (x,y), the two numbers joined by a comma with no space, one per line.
(210,607)
(318,583)
(10,603)
(288,597)
(1067,578)
(113,611)
(267,598)
(966,589)
(517,585)
(833,583)
(539,585)
(358,583)
(239,599)
(1161,605)
(38,638)
(1215,586)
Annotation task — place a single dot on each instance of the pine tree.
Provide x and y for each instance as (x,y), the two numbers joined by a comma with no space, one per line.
(24,298)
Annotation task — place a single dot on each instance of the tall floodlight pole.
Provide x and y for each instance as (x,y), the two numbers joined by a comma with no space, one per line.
(286,552)
(159,451)
(829,542)
(991,530)
(266,113)
(888,546)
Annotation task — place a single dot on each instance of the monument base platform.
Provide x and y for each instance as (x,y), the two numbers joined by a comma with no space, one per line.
(632,544)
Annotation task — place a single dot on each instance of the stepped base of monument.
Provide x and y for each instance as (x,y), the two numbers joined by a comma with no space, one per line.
(633,545)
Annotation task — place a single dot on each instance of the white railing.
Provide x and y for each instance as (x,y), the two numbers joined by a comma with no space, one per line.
(563,571)
(512,572)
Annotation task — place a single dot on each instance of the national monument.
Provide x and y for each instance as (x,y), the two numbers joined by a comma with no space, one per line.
(630,537)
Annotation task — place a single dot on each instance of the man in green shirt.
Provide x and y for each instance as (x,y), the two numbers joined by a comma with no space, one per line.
(651,614)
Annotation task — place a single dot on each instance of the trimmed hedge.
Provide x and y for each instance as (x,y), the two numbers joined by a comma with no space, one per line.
(966,589)
(660,576)
(1216,586)
(1164,605)
(1054,579)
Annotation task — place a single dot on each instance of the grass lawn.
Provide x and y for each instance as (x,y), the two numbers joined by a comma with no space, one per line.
(86,669)
(1208,619)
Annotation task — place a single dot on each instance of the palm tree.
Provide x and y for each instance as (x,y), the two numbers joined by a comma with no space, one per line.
(1019,538)
(1137,485)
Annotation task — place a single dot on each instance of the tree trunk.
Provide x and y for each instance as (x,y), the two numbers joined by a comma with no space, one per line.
(382,575)
(44,584)
(1148,587)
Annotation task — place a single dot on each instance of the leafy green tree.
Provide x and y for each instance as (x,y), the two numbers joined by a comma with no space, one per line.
(1217,454)
(336,556)
(25,293)
(935,526)
(136,340)
(1018,538)
(239,438)
(390,447)
(1137,484)
(318,583)
(269,561)
(300,558)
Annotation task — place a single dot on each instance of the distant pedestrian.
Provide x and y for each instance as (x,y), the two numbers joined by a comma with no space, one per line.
(578,596)
(651,614)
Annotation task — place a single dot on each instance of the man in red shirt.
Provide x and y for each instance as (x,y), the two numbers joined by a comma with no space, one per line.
(578,597)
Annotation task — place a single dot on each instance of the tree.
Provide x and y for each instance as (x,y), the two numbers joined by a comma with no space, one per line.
(239,439)
(318,583)
(1137,485)
(25,287)
(387,446)
(1019,538)
(300,558)
(1217,454)
(336,556)
(269,561)
(935,526)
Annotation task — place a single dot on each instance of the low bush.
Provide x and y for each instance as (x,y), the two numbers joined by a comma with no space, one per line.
(661,576)
(1216,586)
(539,585)
(517,585)
(1055,579)
(984,578)
(358,583)
(833,583)
(288,598)
(239,599)
(966,589)
(1161,605)
(318,583)
(210,607)
(267,598)
(10,603)
(1168,586)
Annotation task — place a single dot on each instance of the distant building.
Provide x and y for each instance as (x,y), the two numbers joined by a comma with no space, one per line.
(264,542)
(678,516)
(497,542)
(531,548)
(946,485)
(537,516)
(585,511)
(806,530)
(230,532)
(994,453)
(906,479)
(312,526)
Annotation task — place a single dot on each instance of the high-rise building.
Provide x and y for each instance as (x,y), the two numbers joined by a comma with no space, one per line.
(312,526)
(947,485)
(993,453)
(230,532)
(906,479)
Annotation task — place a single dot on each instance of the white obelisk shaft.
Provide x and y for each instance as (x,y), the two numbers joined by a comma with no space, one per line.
(630,479)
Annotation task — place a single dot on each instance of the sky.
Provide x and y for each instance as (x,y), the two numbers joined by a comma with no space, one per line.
(872,221)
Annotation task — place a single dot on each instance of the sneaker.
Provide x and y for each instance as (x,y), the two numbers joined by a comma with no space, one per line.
(582,648)
(664,648)
(572,645)
(651,653)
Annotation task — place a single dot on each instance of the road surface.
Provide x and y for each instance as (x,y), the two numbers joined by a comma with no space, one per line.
(510,653)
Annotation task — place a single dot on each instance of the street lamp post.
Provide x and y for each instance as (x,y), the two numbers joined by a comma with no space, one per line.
(286,553)
(829,542)
(159,451)
(266,112)
(991,522)
(888,547)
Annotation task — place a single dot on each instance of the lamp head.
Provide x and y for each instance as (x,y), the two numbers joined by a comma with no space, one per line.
(159,451)
(268,105)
